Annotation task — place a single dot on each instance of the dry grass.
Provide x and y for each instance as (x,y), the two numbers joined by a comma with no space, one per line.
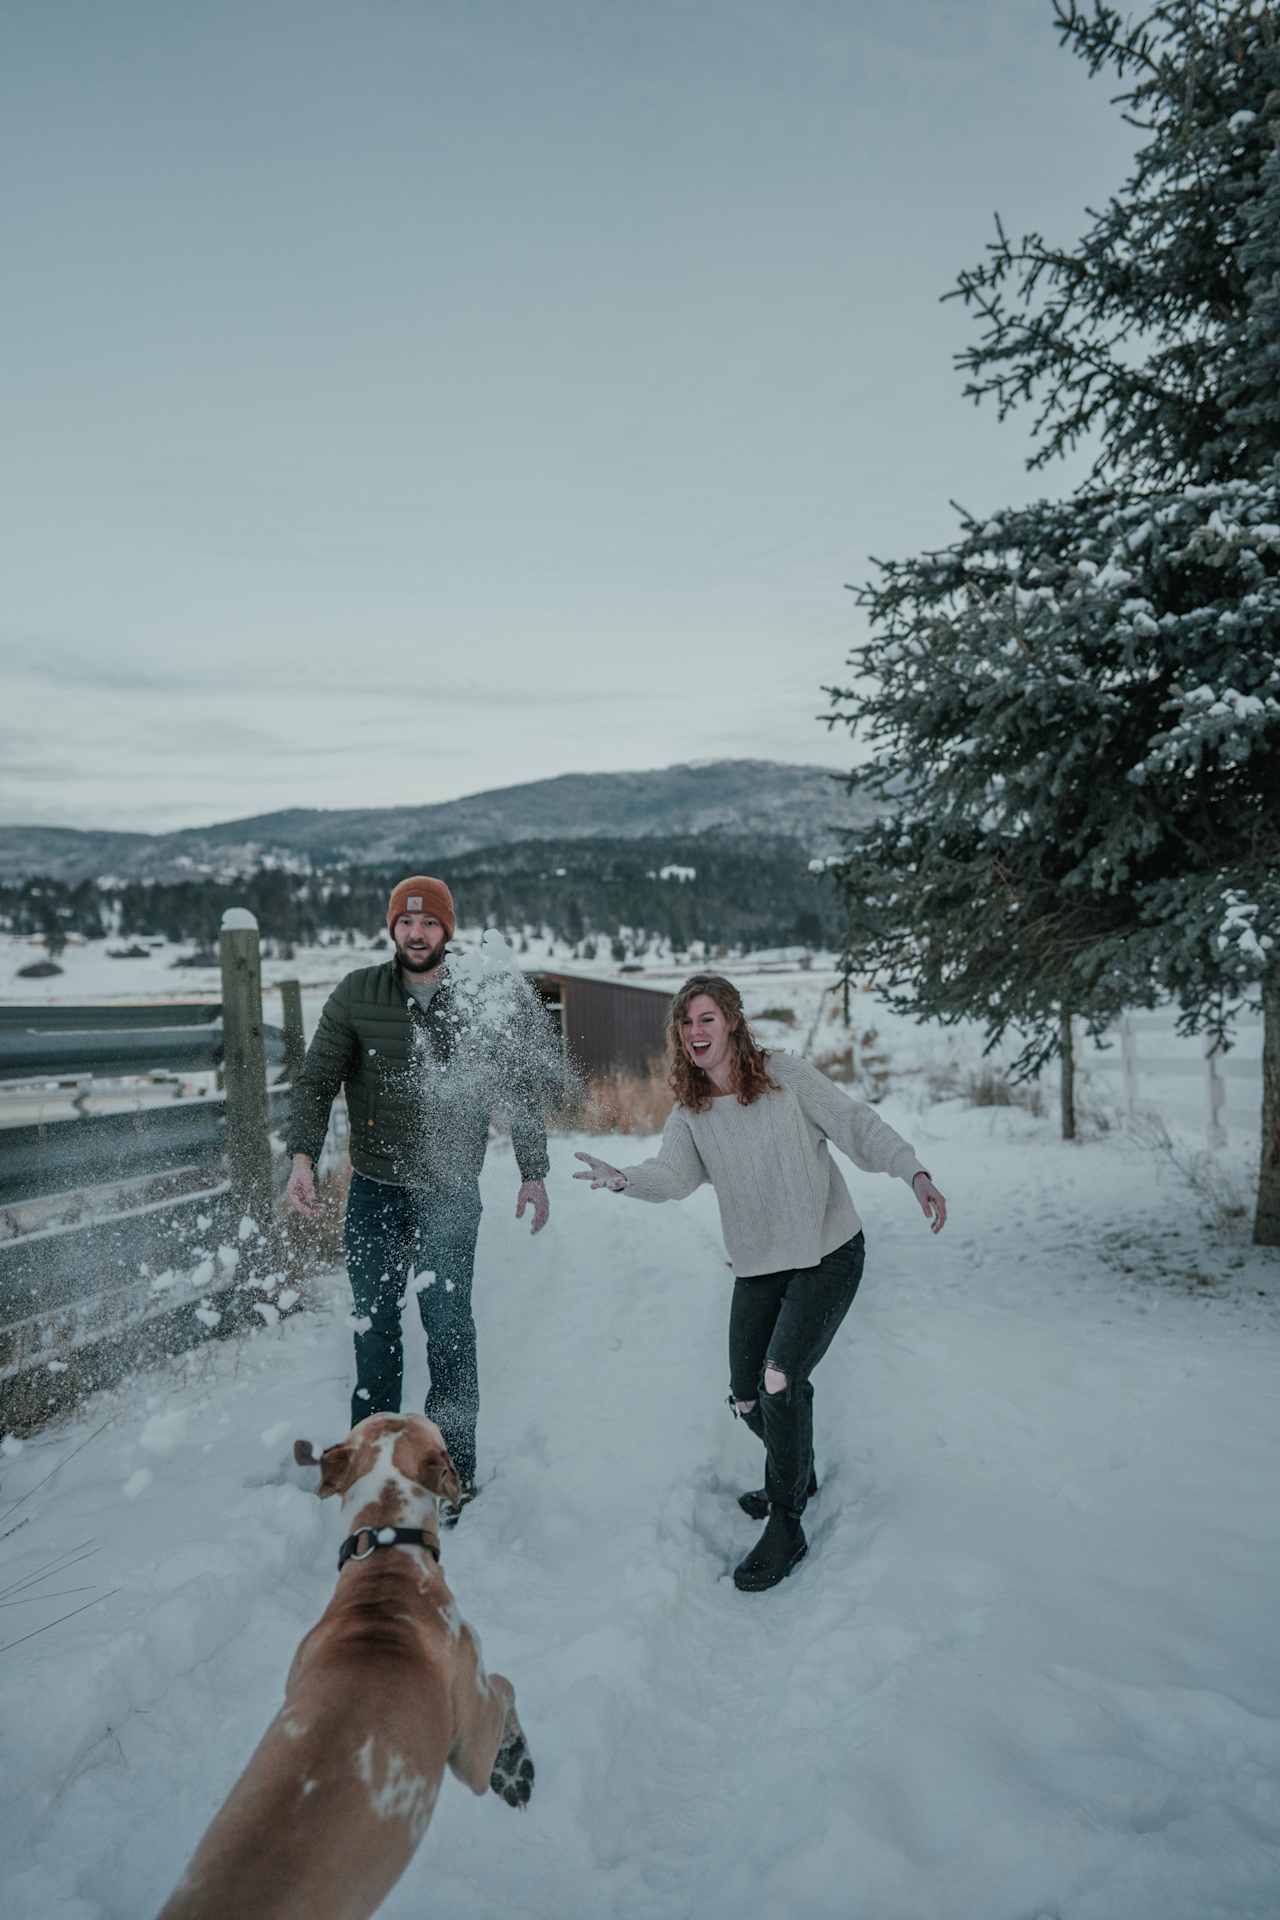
(860,1061)
(984,1086)
(992,1087)
(838,1064)
(784,1016)
(622,1103)
(316,1244)
(1222,1188)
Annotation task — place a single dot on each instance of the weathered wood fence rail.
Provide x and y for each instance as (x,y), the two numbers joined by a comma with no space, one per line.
(86,1302)
(1140,1058)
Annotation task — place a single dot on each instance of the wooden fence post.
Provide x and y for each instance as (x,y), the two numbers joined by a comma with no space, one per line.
(245,1066)
(1215,1094)
(1266,1219)
(295,1043)
(1129,1065)
(1067,1048)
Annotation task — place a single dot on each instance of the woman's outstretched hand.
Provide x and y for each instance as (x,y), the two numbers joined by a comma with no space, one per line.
(601,1174)
(932,1204)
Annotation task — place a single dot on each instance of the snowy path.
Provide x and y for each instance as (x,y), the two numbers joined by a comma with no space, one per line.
(1029,1670)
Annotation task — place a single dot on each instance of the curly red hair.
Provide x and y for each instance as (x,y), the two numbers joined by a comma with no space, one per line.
(690,1084)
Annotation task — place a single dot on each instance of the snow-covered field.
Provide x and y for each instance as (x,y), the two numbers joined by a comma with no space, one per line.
(1029,1670)
(1171,1068)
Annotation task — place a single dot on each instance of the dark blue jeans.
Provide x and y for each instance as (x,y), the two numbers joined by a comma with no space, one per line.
(395,1237)
(787,1321)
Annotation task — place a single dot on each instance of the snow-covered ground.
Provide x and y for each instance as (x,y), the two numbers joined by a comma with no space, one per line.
(1029,1668)
(1028,1671)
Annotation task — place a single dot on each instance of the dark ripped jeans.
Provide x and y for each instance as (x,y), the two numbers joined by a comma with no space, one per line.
(394,1237)
(787,1321)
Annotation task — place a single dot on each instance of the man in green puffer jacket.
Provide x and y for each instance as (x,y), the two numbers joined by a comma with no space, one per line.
(424,1065)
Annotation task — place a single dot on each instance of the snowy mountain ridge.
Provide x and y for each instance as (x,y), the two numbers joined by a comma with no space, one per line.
(747,797)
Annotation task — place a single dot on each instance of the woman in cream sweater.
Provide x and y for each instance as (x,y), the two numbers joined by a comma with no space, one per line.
(757,1126)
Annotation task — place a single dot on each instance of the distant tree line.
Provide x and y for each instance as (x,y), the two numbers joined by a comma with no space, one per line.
(719,891)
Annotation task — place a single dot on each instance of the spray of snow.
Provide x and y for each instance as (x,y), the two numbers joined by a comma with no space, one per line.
(504,1058)
(164,1433)
(402,1794)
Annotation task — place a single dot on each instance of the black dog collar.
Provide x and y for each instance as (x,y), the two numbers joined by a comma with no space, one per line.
(375,1537)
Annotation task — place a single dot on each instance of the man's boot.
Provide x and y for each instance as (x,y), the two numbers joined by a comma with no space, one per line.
(756,1503)
(780,1547)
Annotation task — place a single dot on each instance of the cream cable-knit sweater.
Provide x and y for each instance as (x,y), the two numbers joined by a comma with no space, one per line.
(782,1200)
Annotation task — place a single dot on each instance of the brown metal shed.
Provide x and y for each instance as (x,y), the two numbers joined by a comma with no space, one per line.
(606,1026)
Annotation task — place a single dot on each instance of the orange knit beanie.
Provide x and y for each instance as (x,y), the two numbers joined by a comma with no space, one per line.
(421,894)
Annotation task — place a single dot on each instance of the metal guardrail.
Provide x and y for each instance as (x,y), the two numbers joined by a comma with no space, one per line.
(54,1056)
(88,1302)
(60,1156)
(110,1297)
(43,1273)
(71,1053)
(103,1019)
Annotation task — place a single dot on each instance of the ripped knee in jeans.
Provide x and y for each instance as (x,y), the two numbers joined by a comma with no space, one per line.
(775,1381)
(744,1406)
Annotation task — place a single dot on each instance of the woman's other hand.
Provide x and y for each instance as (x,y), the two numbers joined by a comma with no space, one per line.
(932,1204)
(601,1174)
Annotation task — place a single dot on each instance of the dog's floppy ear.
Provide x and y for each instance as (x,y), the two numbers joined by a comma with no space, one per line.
(436,1471)
(334,1464)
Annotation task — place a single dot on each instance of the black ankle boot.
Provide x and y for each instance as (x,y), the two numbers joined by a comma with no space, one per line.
(780,1547)
(757,1502)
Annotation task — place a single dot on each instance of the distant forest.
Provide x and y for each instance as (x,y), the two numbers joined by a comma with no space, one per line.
(744,894)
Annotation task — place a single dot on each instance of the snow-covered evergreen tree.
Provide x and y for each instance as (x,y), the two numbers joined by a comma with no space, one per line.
(1087,814)
(1154,336)
(1075,708)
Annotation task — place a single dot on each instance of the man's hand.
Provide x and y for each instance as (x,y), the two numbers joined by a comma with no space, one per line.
(534,1194)
(601,1174)
(301,1190)
(932,1204)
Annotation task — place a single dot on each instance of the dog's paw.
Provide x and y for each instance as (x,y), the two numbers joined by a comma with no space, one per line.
(512,1776)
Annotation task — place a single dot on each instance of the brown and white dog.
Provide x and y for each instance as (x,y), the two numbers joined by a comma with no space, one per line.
(385,1691)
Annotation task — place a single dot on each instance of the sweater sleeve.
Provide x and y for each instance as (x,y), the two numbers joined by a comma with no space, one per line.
(675,1171)
(851,1125)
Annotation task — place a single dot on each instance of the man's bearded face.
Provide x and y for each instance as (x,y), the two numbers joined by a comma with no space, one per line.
(419,940)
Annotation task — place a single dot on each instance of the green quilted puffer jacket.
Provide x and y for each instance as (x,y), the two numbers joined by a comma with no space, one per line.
(420,1086)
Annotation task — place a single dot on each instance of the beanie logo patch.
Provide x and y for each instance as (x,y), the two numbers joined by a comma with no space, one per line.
(414,903)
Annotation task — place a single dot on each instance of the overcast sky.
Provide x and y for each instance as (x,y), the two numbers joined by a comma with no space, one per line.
(411,397)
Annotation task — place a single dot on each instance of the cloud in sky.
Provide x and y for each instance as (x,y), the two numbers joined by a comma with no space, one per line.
(421,400)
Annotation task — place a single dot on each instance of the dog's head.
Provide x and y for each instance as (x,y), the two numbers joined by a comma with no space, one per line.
(405,1442)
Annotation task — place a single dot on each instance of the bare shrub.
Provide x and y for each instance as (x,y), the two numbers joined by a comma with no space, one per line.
(784,1016)
(987,1087)
(1223,1191)
(860,1062)
(991,1086)
(1030,1095)
(943,1079)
